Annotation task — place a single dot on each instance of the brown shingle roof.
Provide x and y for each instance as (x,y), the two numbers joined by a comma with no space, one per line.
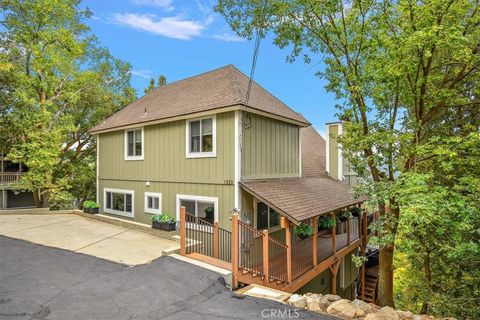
(220,88)
(313,153)
(302,198)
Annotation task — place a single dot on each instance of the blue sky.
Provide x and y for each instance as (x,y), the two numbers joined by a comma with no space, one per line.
(183,38)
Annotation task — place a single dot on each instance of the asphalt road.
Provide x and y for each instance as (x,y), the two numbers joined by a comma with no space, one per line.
(38,282)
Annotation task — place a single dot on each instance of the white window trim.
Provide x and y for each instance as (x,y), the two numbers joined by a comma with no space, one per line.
(127,157)
(154,195)
(213,153)
(198,198)
(117,212)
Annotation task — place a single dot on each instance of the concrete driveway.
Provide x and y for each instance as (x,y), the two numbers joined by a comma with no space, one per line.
(39,282)
(88,236)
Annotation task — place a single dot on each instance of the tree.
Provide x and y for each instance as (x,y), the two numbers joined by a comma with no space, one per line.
(57,83)
(162,80)
(400,68)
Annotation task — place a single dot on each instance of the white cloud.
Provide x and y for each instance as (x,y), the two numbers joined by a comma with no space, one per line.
(164,4)
(228,37)
(171,27)
(146,74)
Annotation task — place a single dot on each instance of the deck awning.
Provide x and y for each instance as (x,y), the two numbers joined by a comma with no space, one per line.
(302,198)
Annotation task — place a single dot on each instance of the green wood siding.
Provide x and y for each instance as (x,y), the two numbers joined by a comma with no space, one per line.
(164,158)
(168,170)
(333,150)
(270,149)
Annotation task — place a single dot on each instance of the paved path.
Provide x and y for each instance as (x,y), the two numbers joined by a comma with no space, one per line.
(83,235)
(38,282)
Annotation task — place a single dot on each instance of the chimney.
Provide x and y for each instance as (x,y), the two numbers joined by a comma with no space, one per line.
(337,167)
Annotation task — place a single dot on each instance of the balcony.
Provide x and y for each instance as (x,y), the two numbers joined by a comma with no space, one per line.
(8,178)
(255,256)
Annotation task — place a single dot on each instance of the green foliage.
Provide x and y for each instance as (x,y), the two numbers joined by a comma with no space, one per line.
(56,83)
(90,204)
(303,230)
(407,76)
(358,261)
(326,223)
(343,215)
(355,211)
(163,218)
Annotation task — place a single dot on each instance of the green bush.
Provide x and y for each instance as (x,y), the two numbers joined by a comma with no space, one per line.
(90,204)
(163,218)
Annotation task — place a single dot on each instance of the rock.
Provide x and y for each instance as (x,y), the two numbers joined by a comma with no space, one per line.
(405,315)
(313,303)
(366,307)
(344,308)
(386,313)
(297,301)
(332,297)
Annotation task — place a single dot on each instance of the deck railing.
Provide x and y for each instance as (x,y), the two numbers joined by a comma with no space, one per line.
(10,177)
(277,258)
(302,257)
(251,249)
(202,237)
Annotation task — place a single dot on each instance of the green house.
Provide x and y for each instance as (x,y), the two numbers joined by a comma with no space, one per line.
(197,143)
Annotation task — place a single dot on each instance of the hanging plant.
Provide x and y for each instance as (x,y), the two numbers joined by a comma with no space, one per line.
(303,231)
(355,211)
(343,215)
(326,223)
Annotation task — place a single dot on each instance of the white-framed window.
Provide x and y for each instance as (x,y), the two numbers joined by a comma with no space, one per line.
(201,137)
(266,217)
(205,208)
(153,202)
(134,144)
(119,202)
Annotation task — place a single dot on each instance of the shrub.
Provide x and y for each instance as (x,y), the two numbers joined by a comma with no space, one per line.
(90,204)
(163,218)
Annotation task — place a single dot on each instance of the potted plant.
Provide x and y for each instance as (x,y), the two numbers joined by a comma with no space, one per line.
(303,231)
(163,222)
(326,223)
(209,213)
(343,215)
(355,211)
(90,206)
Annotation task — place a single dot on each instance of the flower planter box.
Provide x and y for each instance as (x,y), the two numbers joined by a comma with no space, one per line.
(165,226)
(90,210)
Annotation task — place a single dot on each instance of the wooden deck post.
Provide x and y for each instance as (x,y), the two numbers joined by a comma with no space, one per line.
(234,249)
(348,231)
(183,232)
(334,270)
(266,270)
(288,242)
(315,241)
(334,237)
(215,240)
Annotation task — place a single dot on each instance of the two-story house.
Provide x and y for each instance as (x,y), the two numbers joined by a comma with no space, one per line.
(196,144)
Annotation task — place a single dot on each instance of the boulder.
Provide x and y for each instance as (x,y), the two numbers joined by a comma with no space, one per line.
(332,297)
(366,307)
(344,308)
(313,303)
(386,313)
(405,315)
(297,301)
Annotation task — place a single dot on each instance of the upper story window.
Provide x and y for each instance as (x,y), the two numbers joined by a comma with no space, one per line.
(134,144)
(201,137)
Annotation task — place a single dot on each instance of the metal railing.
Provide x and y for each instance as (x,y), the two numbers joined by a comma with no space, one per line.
(302,257)
(277,258)
(251,249)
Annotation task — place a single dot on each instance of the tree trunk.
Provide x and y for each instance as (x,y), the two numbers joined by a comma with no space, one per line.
(36,199)
(385,279)
(428,278)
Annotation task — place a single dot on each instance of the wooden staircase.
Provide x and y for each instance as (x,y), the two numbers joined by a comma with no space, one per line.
(371,279)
